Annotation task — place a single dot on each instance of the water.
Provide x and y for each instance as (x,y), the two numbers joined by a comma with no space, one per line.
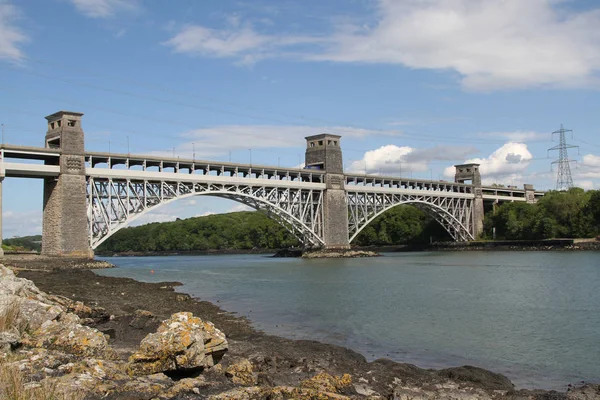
(533,316)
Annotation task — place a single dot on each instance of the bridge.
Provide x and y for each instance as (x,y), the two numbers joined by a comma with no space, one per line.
(88,196)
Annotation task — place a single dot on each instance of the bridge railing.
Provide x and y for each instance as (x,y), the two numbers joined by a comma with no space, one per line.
(409,184)
(200,167)
(508,192)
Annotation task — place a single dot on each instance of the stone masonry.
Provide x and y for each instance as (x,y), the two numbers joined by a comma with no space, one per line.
(65,225)
(324,152)
(470,172)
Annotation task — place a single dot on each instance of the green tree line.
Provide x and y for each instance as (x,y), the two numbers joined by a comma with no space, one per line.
(570,214)
(23,243)
(254,230)
(239,230)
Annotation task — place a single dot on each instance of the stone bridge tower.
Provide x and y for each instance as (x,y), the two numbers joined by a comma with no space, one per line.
(65,226)
(324,152)
(469,173)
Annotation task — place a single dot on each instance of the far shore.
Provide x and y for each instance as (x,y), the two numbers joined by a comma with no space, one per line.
(592,244)
(587,244)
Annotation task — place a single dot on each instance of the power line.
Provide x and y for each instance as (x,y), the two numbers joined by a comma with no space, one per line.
(402,134)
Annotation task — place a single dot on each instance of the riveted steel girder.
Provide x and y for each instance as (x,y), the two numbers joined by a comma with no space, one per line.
(113,203)
(453,213)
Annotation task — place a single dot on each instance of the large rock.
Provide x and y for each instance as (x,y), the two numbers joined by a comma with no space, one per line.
(27,306)
(182,342)
(43,321)
(67,334)
(11,285)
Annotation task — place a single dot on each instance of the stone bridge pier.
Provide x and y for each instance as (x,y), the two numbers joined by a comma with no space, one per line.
(470,174)
(325,153)
(65,231)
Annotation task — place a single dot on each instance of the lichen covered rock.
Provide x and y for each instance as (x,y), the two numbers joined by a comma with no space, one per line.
(67,334)
(327,383)
(182,342)
(241,372)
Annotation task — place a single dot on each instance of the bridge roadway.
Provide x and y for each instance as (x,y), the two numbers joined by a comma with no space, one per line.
(154,167)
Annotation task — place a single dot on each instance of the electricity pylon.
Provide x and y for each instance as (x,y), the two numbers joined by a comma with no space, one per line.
(564,180)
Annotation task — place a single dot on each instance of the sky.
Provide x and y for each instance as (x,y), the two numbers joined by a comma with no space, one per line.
(413,86)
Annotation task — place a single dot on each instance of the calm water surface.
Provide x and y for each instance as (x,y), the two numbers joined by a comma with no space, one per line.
(534,316)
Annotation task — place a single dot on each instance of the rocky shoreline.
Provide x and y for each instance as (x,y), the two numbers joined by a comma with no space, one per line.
(123,319)
(322,253)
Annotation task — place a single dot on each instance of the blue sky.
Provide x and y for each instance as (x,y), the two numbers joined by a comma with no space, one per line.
(413,86)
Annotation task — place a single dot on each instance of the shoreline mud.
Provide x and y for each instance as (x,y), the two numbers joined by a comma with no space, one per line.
(136,309)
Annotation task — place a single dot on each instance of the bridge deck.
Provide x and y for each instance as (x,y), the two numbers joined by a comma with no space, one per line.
(157,167)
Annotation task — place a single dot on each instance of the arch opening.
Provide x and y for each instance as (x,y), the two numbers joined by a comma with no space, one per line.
(451,224)
(304,233)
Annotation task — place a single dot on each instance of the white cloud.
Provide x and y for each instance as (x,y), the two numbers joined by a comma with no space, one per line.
(508,163)
(206,214)
(491,44)
(239,207)
(587,170)
(210,142)
(394,160)
(587,185)
(104,8)
(238,40)
(155,216)
(21,223)
(517,136)
(10,35)
(592,161)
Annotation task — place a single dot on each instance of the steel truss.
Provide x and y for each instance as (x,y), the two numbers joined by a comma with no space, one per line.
(114,203)
(453,213)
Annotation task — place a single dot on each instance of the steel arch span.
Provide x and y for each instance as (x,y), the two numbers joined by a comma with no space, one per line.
(453,213)
(114,203)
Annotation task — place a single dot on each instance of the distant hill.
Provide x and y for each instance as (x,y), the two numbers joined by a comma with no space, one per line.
(239,230)
(23,243)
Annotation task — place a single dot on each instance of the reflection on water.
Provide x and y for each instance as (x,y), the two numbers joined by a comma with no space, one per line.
(533,316)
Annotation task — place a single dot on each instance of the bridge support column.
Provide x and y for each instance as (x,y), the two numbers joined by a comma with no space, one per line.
(469,173)
(325,153)
(335,213)
(65,231)
(529,193)
(478,213)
